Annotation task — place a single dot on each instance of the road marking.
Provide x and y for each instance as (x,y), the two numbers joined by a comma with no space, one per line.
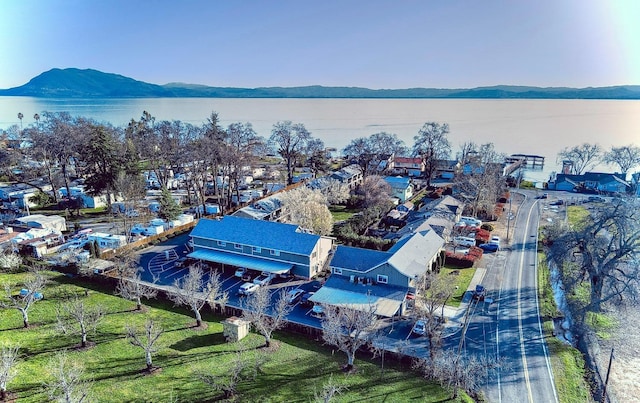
(521,331)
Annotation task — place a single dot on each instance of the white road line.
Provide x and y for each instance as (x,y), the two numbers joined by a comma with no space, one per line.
(521,331)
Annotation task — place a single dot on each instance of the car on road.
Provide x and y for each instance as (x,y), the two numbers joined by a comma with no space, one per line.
(420,328)
(240,271)
(293,296)
(304,300)
(489,247)
(479,293)
(248,288)
(264,278)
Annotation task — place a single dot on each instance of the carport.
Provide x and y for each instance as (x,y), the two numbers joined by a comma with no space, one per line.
(387,300)
(249,262)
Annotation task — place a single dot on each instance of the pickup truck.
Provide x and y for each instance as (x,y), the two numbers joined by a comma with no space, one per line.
(264,278)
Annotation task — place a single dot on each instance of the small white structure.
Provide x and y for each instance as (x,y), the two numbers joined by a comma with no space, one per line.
(235,329)
(53,222)
(182,219)
(107,241)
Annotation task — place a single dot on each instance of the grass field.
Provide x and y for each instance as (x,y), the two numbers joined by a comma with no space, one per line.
(293,372)
(461,280)
(341,213)
(566,362)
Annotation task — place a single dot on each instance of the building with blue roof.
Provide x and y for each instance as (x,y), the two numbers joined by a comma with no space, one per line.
(260,245)
(401,187)
(399,268)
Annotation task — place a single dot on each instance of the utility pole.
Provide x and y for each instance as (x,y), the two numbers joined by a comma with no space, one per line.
(606,381)
(509,218)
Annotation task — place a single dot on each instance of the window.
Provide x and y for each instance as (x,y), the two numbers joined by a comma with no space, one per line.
(257,249)
(222,243)
(275,252)
(382,279)
(337,270)
(238,246)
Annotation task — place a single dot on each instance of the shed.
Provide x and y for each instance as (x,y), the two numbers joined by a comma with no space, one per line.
(235,329)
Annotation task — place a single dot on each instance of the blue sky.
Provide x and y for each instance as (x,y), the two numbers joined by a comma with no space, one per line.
(374,44)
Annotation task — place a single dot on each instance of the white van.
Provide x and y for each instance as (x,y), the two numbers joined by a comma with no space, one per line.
(464,241)
(471,221)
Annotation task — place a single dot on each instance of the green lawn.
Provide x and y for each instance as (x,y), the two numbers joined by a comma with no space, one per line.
(341,213)
(461,279)
(294,372)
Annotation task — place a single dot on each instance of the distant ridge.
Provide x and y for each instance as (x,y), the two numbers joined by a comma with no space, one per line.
(88,83)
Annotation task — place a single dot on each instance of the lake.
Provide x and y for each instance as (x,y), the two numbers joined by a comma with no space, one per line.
(526,126)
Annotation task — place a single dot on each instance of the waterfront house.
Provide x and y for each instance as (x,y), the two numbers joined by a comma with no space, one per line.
(407,166)
(350,175)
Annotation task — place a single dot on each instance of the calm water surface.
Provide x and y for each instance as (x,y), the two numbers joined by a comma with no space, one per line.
(540,127)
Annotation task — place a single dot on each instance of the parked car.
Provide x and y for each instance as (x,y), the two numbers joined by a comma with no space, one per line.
(489,247)
(248,288)
(479,293)
(240,271)
(420,328)
(596,199)
(304,300)
(294,295)
(495,239)
(264,278)
(558,202)
(464,241)
(317,311)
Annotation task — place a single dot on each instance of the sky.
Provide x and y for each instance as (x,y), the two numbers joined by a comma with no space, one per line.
(361,43)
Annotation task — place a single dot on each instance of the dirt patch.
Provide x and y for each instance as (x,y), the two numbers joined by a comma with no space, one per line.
(624,380)
(151,371)
(194,326)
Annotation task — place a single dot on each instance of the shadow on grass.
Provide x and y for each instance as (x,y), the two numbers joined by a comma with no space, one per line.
(198,341)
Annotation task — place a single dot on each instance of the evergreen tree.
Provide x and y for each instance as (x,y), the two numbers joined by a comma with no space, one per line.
(169,209)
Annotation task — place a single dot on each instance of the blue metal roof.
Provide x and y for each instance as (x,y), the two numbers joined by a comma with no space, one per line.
(347,257)
(240,261)
(263,234)
(339,291)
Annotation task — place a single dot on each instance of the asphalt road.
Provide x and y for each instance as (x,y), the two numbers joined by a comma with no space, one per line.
(506,327)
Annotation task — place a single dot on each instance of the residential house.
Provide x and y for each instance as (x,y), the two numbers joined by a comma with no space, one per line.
(439,215)
(18,195)
(407,166)
(591,182)
(350,175)
(363,277)
(268,209)
(401,187)
(260,245)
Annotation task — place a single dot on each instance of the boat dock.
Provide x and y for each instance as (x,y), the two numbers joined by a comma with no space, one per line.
(516,161)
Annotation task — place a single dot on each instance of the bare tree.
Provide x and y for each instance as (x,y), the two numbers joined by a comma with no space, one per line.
(330,389)
(240,369)
(194,292)
(625,157)
(67,385)
(30,293)
(291,141)
(8,360)
(77,318)
(131,287)
(257,310)
(582,157)
(457,372)
(308,209)
(147,339)
(369,152)
(348,329)
(602,252)
(432,145)
(131,188)
(433,294)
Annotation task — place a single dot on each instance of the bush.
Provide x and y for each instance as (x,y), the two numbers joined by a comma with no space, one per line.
(460,261)
(487,227)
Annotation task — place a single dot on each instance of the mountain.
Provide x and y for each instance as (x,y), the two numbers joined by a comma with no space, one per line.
(77,83)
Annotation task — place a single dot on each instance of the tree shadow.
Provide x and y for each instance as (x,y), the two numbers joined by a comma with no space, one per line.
(198,341)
